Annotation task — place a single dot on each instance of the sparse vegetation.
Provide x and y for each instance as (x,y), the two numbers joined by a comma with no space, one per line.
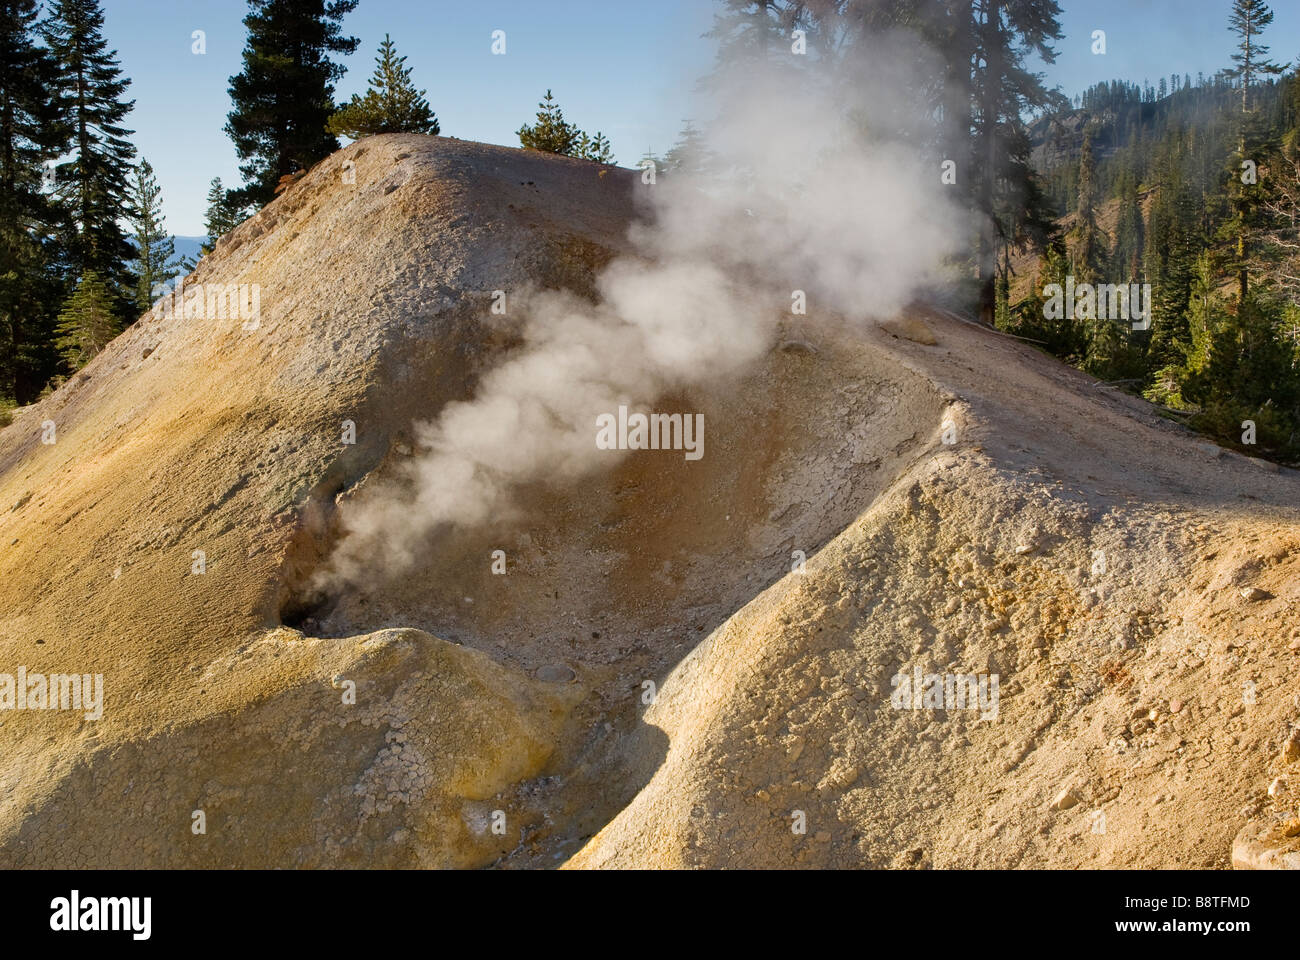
(552,133)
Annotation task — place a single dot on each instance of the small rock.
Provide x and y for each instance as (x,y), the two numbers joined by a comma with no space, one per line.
(1175,706)
(1291,828)
(1258,847)
(555,673)
(763,795)
(1066,799)
(1278,788)
(1291,749)
(1023,548)
(1254,593)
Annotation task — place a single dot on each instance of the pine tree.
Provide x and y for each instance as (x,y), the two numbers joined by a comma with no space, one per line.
(1129,231)
(751,31)
(155,262)
(223,215)
(595,148)
(1004,91)
(690,155)
(93,184)
(1239,368)
(390,105)
(981,96)
(87,322)
(551,132)
(284,96)
(1088,251)
(1248,20)
(31,137)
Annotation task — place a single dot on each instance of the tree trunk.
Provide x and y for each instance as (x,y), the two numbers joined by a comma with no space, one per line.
(988,176)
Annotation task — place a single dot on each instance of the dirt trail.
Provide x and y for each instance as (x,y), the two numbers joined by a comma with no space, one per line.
(1134,588)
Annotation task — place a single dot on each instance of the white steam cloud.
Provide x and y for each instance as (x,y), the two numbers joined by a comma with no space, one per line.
(817,186)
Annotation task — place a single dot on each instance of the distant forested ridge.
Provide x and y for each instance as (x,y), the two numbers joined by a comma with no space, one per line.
(1190,185)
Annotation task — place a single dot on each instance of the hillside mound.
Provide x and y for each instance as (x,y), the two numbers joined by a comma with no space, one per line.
(685,662)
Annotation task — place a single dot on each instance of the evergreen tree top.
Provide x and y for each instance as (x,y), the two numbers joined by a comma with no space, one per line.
(551,132)
(391,104)
(283,97)
(1248,20)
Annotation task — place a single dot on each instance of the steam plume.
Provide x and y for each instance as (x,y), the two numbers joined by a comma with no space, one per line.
(818,186)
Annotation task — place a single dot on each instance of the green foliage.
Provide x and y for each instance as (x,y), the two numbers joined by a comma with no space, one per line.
(390,105)
(32,136)
(223,215)
(87,322)
(595,149)
(1088,242)
(1240,368)
(754,31)
(980,94)
(284,96)
(1248,20)
(1217,249)
(155,261)
(93,184)
(552,133)
(1130,233)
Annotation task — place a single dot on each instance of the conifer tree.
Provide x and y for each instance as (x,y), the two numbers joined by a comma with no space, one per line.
(155,261)
(553,134)
(550,132)
(390,105)
(690,155)
(1129,231)
(1248,20)
(87,322)
(1170,263)
(31,137)
(1003,34)
(982,94)
(594,148)
(93,183)
(1089,242)
(284,96)
(752,31)
(223,215)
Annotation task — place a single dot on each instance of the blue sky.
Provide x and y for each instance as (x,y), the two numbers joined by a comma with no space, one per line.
(618,66)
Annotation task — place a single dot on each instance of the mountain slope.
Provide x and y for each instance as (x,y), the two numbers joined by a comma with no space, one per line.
(504,719)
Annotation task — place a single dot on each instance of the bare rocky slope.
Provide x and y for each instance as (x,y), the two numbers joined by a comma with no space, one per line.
(966,505)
